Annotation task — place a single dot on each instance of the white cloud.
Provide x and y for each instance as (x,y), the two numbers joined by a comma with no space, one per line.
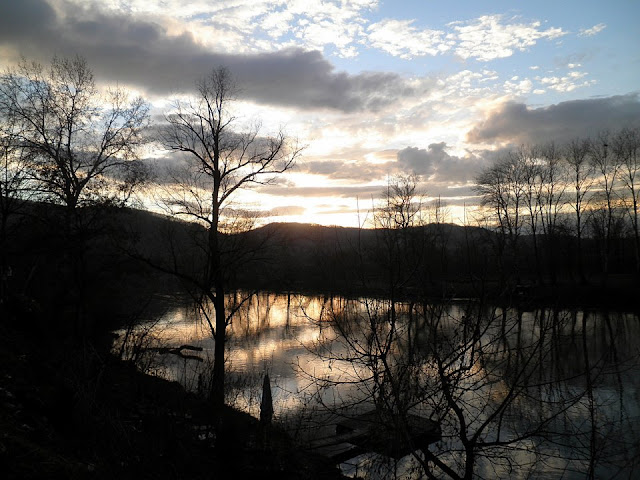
(516,87)
(319,34)
(400,38)
(590,32)
(566,83)
(276,23)
(338,27)
(489,37)
(258,25)
(489,76)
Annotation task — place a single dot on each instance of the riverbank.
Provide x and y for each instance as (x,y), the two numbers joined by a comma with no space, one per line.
(617,292)
(63,418)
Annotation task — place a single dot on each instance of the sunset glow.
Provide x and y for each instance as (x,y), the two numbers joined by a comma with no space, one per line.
(369,89)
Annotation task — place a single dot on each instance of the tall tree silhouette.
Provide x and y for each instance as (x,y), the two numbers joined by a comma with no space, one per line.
(81,143)
(626,147)
(219,161)
(14,191)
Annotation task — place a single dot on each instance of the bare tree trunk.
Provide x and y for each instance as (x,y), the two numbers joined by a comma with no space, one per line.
(218,390)
(591,406)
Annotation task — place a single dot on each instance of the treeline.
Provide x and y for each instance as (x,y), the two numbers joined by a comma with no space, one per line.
(566,211)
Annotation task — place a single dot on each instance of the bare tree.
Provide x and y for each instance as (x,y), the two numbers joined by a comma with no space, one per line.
(492,378)
(398,248)
(503,188)
(402,206)
(581,176)
(219,161)
(552,200)
(508,387)
(83,142)
(626,147)
(533,180)
(14,192)
(604,219)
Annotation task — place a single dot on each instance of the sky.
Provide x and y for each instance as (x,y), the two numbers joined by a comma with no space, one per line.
(370,88)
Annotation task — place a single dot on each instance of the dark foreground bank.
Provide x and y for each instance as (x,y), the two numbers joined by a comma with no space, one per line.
(63,416)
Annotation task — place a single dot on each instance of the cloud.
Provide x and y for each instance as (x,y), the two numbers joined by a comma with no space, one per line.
(343,191)
(261,25)
(565,83)
(518,87)
(341,170)
(452,195)
(515,123)
(285,211)
(141,52)
(488,37)
(435,164)
(590,32)
(401,39)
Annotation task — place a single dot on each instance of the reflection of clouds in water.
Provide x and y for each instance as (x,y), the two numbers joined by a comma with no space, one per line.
(271,332)
(277,334)
(283,337)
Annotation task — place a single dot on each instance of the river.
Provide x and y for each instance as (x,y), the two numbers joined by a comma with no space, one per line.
(562,386)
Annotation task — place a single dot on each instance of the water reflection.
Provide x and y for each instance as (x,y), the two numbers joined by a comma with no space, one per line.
(564,383)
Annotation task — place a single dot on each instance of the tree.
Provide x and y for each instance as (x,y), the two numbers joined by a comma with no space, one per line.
(398,246)
(581,176)
(81,144)
(494,379)
(604,219)
(552,200)
(501,383)
(14,192)
(218,161)
(533,178)
(503,190)
(626,145)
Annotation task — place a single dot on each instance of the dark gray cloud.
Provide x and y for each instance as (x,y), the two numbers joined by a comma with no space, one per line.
(341,170)
(515,123)
(436,164)
(139,51)
(433,165)
(25,19)
(454,195)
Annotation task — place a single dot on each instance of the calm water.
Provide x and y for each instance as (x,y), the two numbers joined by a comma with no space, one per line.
(293,338)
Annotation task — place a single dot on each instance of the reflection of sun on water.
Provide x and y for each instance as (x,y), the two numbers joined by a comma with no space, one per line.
(270,333)
(280,334)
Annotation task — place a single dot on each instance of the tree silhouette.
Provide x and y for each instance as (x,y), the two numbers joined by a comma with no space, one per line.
(78,147)
(82,142)
(218,162)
